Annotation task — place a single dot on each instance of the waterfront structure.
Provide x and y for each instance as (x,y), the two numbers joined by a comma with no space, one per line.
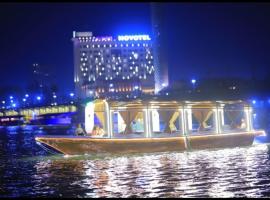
(113,67)
(44,115)
(158,126)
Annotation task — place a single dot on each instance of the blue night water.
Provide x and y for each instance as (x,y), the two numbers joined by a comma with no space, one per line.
(26,170)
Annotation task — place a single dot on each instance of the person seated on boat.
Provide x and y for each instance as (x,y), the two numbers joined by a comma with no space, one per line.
(97,131)
(242,124)
(79,130)
(100,132)
(137,126)
(94,131)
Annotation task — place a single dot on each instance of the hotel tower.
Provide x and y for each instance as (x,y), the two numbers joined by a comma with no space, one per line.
(113,67)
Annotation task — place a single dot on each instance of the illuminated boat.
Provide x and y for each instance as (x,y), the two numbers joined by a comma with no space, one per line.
(158,126)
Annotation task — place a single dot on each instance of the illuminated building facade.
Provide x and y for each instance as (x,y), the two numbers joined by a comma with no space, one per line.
(113,67)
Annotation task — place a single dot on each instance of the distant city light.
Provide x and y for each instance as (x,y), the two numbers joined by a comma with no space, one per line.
(24,99)
(38,98)
(254,101)
(71,94)
(14,105)
(167,93)
(26,95)
(3,102)
(11,97)
(54,96)
(193,81)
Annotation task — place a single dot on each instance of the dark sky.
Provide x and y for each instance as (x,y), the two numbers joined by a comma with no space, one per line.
(205,40)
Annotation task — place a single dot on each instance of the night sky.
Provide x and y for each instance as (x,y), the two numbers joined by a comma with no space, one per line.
(205,40)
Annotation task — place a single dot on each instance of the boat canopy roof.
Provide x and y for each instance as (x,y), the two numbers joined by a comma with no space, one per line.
(100,104)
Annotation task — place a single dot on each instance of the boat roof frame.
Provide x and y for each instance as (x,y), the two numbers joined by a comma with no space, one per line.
(141,104)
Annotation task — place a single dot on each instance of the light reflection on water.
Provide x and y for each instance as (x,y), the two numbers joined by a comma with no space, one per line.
(27,171)
(238,172)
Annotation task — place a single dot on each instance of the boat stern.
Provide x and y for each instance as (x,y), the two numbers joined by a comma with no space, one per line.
(260,133)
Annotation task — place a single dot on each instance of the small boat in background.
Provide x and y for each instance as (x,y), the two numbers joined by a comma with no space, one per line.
(157,126)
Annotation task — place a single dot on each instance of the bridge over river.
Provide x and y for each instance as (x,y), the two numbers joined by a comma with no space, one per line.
(60,114)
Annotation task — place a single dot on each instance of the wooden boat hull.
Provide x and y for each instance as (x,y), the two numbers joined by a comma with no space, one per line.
(76,145)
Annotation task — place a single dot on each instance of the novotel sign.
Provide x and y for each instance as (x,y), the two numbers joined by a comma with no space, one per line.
(133,37)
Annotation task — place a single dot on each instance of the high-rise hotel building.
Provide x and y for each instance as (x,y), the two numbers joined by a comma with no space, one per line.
(113,67)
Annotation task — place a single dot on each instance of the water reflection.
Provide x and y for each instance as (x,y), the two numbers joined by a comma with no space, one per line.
(238,172)
(26,170)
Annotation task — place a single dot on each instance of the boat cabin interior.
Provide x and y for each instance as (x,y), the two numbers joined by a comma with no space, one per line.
(156,119)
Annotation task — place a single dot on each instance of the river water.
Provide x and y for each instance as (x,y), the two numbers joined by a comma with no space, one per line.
(27,170)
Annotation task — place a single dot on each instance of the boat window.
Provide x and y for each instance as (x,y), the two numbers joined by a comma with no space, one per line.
(165,123)
(233,119)
(128,124)
(98,127)
(202,121)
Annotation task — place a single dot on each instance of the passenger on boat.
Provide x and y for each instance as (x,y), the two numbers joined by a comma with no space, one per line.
(239,126)
(243,124)
(79,130)
(97,131)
